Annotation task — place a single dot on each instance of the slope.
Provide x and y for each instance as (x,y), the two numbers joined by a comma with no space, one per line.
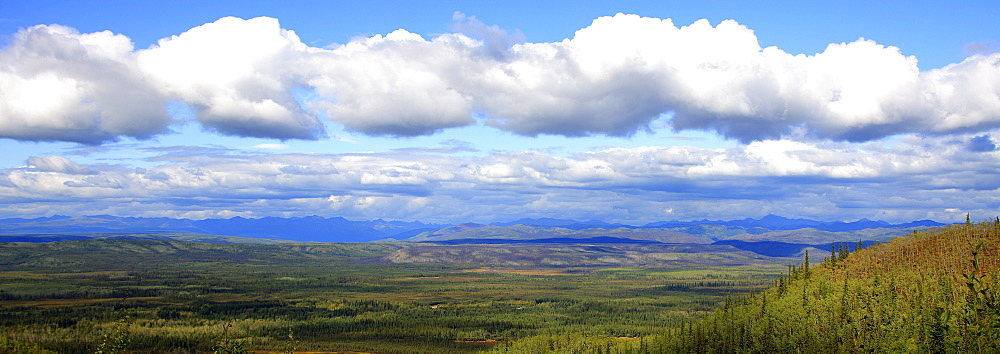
(933,291)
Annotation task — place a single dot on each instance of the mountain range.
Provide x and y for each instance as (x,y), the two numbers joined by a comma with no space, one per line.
(303,229)
(337,229)
(769,222)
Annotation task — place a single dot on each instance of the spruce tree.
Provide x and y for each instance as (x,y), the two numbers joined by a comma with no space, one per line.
(805,266)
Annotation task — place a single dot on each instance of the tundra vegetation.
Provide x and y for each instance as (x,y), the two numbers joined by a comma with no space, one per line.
(935,291)
(116,295)
(932,291)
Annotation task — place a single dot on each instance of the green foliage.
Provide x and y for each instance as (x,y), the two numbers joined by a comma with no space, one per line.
(228,344)
(979,325)
(290,347)
(14,346)
(116,339)
(897,297)
(189,297)
(575,343)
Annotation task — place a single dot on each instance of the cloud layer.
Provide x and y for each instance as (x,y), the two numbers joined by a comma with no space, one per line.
(252,78)
(917,178)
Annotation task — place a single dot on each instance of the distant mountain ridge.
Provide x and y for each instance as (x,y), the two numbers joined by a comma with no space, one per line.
(770,222)
(522,232)
(774,222)
(304,229)
(338,229)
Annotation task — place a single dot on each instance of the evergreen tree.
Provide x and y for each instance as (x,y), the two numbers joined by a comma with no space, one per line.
(805,266)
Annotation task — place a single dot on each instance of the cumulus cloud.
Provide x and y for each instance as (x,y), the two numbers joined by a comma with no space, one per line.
(963,97)
(615,77)
(238,75)
(621,73)
(58,84)
(396,85)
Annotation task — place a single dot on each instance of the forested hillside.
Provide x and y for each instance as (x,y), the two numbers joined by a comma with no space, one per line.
(930,292)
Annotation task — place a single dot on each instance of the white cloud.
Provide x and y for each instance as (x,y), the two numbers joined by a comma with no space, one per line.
(791,158)
(916,178)
(965,96)
(614,77)
(398,84)
(58,84)
(619,74)
(56,164)
(271,146)
(238,75)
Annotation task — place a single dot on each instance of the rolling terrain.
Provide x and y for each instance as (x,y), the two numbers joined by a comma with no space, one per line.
(934,291)
(515,289)
(143,295)
(580,255)
(770,236)
(320,229)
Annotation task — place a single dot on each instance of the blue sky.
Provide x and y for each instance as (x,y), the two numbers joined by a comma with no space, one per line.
(629,112)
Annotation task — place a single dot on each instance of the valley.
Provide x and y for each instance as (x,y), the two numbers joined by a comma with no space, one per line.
(468,288)
(161,295)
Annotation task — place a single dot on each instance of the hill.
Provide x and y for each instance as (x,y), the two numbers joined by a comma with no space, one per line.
(577,255)
(189,237)
(774,222)
(782,243)
(125,254)
(320,229)
(932,291)
(819,237)
(525,232)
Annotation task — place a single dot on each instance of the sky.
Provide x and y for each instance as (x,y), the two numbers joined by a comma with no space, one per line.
(455,111)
